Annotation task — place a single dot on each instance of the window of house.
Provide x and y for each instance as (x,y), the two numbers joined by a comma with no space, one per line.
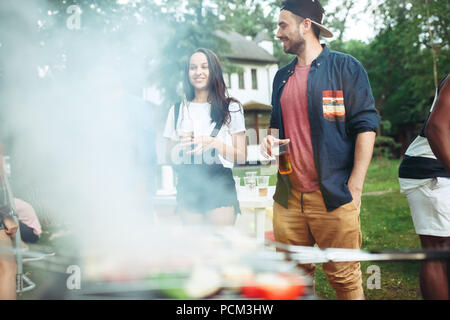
(254,80)
(241,80)
(227,79)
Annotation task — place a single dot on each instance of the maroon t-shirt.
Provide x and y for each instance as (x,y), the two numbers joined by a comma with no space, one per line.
(294,107)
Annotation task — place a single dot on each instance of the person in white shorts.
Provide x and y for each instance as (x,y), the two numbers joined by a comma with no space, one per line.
(424,177)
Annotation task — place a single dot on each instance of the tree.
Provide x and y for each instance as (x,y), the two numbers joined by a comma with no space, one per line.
(188,27)
(336,20)
(251,17)
(405,61)
(432,18)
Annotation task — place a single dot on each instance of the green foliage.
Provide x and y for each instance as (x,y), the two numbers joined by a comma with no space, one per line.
(336,20)
(198,28)
(400,60)
(411,44)
(129,31)
(182,39)
(248,17)
(385,126)
(386,147)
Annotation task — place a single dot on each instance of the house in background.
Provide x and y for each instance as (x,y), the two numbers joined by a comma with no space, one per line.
(252,85)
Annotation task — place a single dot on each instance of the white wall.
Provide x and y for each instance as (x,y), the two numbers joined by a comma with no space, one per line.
(265,75)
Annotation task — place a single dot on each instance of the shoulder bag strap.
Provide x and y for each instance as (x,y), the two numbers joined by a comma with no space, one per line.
(216,130)
(176,112)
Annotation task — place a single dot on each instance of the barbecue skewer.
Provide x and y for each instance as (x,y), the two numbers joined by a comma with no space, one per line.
(304,254)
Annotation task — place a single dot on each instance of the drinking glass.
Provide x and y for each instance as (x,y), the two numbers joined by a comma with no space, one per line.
(263,185)
(250,182)
(237,182)
(284,160)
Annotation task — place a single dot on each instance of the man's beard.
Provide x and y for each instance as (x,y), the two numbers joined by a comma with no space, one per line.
(297,48)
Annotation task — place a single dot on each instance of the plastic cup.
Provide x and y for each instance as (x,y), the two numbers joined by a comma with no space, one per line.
(263,185)
(237,182)
(250,182)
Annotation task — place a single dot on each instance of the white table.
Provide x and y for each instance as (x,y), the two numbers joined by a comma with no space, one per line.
(250,200)
(247,200)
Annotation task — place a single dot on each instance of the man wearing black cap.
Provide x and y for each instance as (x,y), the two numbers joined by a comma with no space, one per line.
(322,105)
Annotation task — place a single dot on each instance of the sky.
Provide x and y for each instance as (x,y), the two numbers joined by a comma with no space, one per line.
(360,24)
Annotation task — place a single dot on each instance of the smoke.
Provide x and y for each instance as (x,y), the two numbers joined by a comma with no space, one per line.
(80,137)
(81,140)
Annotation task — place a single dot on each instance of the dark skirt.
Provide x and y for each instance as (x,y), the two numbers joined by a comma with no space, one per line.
(202,188)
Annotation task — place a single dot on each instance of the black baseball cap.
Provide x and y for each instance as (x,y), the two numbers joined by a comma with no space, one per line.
(311,9)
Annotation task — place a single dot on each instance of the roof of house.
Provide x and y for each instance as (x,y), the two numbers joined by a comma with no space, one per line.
(262,36)
(243,49)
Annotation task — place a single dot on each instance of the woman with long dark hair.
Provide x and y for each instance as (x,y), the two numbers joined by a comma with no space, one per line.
(210,128)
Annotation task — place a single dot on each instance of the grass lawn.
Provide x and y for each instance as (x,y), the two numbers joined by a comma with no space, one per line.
(386,224)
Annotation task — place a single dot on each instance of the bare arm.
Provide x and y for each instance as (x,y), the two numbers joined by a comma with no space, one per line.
(236,153)
(363,154)
(437,129)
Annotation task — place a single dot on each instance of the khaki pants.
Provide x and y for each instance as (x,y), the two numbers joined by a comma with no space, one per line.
(306,222)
